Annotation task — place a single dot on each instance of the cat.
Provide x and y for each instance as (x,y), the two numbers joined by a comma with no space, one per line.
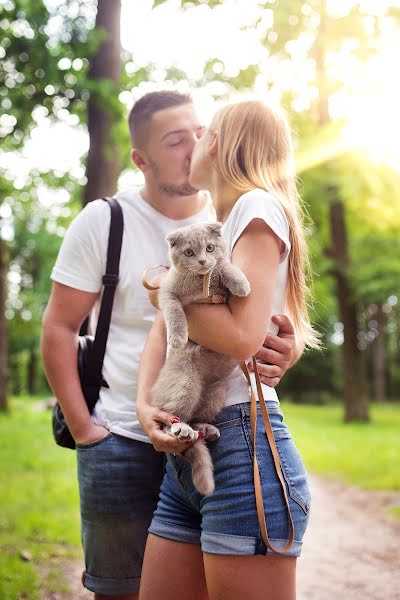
(192,382)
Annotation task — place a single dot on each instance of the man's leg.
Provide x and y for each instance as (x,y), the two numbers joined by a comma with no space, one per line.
(119,481)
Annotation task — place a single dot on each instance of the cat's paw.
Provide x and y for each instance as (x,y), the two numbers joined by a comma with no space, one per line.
(210,433)
(183,432)
(240,288)
(177,341)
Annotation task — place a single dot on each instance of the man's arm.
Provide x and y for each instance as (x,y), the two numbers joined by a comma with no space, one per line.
(63,317)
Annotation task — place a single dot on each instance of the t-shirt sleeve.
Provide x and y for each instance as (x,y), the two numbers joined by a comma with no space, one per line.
(258,204)
(81,260)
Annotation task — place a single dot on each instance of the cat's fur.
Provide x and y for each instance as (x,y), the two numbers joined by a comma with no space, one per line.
(192,382)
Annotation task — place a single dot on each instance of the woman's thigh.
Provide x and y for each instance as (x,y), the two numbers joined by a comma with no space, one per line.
(172,571)
(250,577)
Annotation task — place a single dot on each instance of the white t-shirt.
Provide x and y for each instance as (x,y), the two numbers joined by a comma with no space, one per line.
(81,264)
(258,204)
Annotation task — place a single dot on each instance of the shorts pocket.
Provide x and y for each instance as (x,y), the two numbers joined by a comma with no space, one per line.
(94,444)
(293,470)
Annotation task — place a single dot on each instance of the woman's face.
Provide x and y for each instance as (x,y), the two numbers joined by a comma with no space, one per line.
(201,167)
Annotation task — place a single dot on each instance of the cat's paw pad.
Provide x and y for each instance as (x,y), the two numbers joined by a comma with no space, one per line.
(240,288)
(184,432)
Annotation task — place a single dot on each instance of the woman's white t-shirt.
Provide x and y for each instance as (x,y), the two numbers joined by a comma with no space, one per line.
(258,204)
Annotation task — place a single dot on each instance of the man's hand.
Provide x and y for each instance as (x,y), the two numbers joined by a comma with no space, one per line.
(152,420)
(278,353)
(94,433)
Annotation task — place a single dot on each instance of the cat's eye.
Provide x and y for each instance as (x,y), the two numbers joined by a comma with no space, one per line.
(189,252)
(210,247)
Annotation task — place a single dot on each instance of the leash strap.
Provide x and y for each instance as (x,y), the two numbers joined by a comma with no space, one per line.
(144,277)
(271,440)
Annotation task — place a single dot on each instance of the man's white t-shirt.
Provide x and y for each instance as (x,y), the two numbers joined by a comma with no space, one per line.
(81,263)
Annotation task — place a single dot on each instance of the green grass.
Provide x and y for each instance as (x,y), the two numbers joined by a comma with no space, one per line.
(39,497)
(363,454)
(39,504)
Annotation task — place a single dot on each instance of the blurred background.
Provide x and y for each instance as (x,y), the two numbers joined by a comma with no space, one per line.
(69,73)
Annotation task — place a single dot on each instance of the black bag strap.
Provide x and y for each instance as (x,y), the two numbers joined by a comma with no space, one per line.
(110,281)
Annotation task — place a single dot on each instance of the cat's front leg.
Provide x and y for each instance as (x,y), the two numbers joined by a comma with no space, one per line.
(233,279)
(175,320)
(210,433)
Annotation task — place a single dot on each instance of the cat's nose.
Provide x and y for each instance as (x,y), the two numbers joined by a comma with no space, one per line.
(202,262)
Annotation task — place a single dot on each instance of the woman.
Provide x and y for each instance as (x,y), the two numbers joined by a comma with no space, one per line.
(245,161)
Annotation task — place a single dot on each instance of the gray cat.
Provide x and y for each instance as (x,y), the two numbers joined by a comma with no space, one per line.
(192,382)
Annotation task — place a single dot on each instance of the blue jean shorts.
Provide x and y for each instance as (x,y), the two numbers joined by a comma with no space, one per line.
(119,482)
(226,522)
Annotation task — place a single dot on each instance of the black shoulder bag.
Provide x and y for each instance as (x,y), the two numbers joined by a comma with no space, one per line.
(91,349)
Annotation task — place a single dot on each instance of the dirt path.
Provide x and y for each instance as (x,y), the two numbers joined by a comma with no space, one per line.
(351,550)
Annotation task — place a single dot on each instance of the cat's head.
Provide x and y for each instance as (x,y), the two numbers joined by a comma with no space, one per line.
(197,248)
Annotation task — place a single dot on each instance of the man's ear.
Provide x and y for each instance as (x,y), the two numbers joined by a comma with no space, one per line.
(213,147)
(215,227)
(173,238)
(139,159)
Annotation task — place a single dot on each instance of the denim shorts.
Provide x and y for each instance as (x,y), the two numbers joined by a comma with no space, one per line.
(225,522)
(119,481)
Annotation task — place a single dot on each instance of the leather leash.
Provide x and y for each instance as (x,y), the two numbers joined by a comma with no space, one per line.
(272,444)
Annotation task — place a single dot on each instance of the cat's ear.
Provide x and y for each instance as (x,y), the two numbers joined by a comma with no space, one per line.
(215,228)
(173,237)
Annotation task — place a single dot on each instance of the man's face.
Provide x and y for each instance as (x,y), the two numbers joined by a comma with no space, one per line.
(172,135)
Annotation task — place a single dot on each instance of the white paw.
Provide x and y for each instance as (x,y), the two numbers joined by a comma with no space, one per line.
(184,432)
(240,288)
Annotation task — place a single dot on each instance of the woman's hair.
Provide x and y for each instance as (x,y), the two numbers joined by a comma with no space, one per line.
(255,151)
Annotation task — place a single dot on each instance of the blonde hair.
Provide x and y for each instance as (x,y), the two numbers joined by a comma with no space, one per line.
(255,151)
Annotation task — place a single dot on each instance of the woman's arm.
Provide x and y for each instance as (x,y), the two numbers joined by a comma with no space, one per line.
(238,328)
(151,418)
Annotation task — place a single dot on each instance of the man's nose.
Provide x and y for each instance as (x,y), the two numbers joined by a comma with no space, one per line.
(202,262)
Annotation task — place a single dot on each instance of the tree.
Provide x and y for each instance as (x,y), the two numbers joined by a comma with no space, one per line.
(104,109)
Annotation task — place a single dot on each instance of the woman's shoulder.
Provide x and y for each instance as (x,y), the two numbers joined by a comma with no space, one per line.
(257,204)
(258,198)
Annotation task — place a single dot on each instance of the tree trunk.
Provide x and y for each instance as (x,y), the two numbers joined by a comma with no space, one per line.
(378,359)
(3,328)
(103,164)
(355,398)
(32,373)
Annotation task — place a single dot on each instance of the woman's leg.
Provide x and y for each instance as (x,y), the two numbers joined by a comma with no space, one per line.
(172,571)
(250,577)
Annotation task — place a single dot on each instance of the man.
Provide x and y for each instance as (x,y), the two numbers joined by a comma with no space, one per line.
(119,471)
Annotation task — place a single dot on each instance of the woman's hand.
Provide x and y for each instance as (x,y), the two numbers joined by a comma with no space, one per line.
(152,420)
(278,353)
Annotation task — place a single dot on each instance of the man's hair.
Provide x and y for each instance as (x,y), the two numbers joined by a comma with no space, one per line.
(143,110)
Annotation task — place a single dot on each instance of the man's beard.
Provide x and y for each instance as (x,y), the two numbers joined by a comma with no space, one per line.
(169,188)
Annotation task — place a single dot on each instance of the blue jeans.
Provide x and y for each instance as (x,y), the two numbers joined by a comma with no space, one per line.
(225,522)
(119,482)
